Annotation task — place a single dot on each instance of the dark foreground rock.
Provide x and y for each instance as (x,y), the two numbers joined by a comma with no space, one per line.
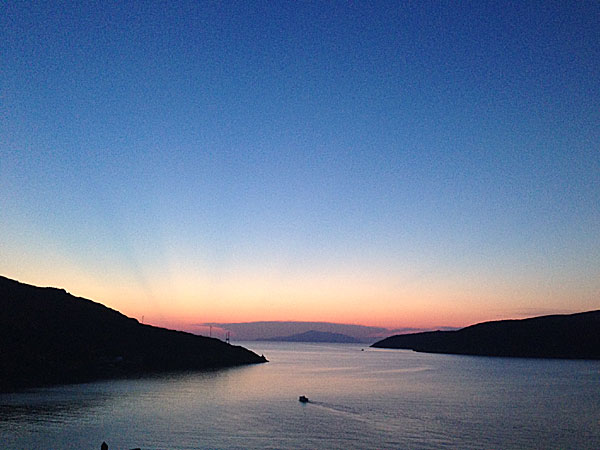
(572,336)
(48,336)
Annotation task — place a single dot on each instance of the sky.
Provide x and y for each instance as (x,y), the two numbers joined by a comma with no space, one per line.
(390,164)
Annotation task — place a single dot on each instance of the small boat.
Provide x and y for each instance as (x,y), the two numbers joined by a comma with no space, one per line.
(303,399)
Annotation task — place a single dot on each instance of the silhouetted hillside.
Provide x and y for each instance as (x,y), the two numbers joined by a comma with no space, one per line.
(48,336)
(315,336)
(574,336)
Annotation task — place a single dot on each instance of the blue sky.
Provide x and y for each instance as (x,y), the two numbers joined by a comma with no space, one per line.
(431,157)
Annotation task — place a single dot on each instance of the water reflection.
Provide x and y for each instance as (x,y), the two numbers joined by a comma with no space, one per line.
(47,405)
(64,403)
(359,399)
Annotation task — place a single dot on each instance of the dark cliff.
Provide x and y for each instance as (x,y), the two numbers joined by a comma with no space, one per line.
(48,336)
(573,336)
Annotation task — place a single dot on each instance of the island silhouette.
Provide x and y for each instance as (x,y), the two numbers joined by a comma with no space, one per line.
(315,336)
(48,336)
(570,336)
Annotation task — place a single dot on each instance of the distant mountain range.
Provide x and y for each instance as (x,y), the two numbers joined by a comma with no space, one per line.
(253,331)
(48,336)
(315,336)
(573,336)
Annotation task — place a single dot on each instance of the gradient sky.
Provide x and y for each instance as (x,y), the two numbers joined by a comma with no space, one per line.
(380,163)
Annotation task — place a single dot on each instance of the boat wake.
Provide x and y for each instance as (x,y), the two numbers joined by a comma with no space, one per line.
(336,408)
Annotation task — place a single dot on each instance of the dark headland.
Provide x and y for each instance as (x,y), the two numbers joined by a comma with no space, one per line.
(572,336)
(48,336)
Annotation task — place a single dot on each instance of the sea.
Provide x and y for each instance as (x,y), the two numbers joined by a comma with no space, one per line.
(360,398)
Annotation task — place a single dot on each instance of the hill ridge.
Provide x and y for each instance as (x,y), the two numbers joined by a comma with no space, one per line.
(570,336)
(49,336)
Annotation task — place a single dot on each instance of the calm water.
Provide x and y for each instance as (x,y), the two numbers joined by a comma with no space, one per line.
(372,399)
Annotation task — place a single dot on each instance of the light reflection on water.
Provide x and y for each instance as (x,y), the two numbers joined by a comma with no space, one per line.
(359,399)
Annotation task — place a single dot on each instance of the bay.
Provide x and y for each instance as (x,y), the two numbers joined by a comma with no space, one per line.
(360,398)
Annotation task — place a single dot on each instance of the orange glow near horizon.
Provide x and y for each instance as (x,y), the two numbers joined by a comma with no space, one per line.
(187,299)
(179,295)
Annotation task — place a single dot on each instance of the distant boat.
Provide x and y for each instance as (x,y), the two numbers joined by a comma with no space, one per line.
(303,399)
